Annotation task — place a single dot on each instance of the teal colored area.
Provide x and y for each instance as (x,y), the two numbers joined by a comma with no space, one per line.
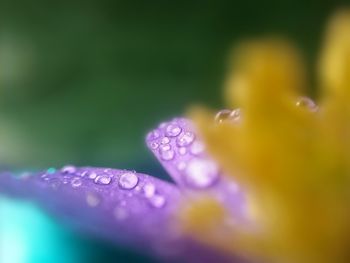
(27,235)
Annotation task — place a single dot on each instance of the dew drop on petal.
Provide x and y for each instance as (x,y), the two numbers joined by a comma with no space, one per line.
(157,201)
(51,170)
(76,182)
(149,189)
(68,169)
(166,153)
(92,175)
(153,135)
(165,140)
(154,145)
(306,103)
(128,180)
(103,179)
(173,130)
(120,213)
(182,150)
(222,116)
(197,148)
(185,139)
(235,115)
(92,199)
(201,173)
(55,183)
(181,166)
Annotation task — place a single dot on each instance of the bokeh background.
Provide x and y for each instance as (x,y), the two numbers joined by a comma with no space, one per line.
(81,82)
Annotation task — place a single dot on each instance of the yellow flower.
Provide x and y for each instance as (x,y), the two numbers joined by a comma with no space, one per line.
(291,157)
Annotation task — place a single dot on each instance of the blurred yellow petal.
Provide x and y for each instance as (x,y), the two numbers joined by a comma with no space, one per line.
(291,157)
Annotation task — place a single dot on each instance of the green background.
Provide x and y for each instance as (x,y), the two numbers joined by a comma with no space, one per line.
(82,82)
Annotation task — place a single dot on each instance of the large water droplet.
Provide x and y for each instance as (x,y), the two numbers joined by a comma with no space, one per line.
(103,179)
(128,180)
(153,135)
(185,139)
(306,103)
(166,153)
(201,173)
(76,182)
(173,130)
(92,199)
(68,169)
(157,201)
(222,115)
(149,190)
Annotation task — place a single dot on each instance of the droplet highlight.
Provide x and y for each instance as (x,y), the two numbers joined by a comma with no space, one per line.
(103,179)
(128,180)
(201,173)
(185,139)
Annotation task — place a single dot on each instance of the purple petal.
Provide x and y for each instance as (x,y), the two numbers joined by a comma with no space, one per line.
(125,207)
(182,153)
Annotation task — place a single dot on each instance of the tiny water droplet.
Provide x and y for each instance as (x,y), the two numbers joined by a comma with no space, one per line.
(120,213)
(149,190)
(201,173)
(173,130)
(92,199)
(76,182)
(182,150)
(55,183)
(103,179)
(51,170)
(153,135)
(306,103)
(222,116)
(165,140)
(92,175)
(185,139)
(181,166)
(166,153)
(197,148)
(68,169)
(154,145)
(157,201)
(235,115)
(128,180)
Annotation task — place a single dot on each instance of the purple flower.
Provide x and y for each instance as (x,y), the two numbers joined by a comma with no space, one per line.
(135,209)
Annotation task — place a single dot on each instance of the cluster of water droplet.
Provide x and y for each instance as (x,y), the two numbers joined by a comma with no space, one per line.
(182,153)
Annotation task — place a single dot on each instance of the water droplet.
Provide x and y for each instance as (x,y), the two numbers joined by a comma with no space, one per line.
(306,103)
(173,130)
(55,183)
(149,190)
(157,201)
(154,145)
(165,140)
(182,150)
(201,173)
(222,116)
(103,179)
(166,153)
(153,135)
(68,169)
(51,170)
(120,213)
(197,148)
(92,199)
(76,182)
(185,139)
(181,166)
(235,115)
(128,180)
(92,175)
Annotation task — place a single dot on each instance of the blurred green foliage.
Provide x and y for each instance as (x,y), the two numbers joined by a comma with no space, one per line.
(82,81)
